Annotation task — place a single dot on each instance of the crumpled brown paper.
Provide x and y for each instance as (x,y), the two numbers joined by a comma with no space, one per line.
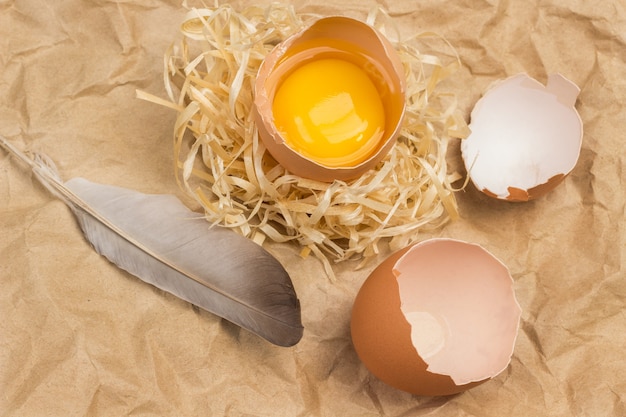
(80,337)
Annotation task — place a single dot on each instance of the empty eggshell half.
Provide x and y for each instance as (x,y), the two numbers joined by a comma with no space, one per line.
(525,137)
(436,318)
(335,37)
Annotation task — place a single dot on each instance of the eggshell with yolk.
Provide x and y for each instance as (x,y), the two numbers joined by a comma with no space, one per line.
(458,282)
(357,38)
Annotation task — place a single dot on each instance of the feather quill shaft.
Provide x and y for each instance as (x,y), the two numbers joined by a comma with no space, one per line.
(162,242)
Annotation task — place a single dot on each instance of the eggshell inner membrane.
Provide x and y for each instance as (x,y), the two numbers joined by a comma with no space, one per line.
(460,304)
(524,134)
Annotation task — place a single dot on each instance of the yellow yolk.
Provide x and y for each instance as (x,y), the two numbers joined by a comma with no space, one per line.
(330,111)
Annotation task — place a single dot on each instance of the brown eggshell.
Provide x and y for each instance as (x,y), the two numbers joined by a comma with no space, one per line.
(382,337)
(381,333)
(277,64)
(525,137)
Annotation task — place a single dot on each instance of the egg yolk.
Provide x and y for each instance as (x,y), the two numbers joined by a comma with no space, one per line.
(330,111)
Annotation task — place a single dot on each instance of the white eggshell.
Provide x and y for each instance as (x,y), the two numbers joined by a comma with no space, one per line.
(525,137)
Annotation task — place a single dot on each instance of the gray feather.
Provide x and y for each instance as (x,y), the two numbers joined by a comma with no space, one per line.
(161,241)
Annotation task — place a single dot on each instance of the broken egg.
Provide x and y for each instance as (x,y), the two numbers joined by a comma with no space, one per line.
(329,100)
(436,318)
(525,137)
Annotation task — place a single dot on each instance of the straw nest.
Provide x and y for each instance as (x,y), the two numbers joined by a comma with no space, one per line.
(221,163)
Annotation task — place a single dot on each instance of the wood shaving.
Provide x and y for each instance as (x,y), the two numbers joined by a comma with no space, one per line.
(224,166)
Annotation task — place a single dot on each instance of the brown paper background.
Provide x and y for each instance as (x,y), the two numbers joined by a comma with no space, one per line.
(79,337)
